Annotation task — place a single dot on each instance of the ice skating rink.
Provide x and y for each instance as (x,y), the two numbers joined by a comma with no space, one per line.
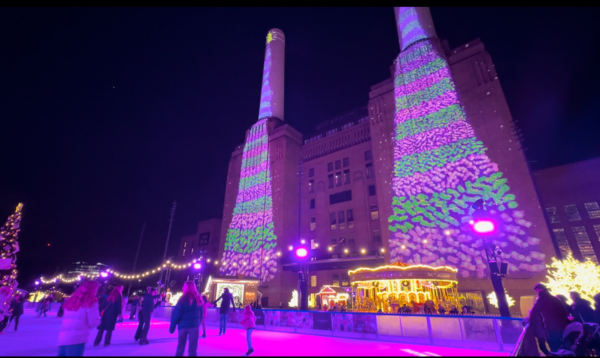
(38,337)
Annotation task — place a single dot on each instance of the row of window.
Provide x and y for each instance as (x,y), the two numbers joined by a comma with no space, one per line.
(592,208)
(342,197)
(337,278)
(202,240)
(582,239)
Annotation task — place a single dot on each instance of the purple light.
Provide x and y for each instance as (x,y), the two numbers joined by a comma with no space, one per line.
(103,274)
(197,266)
(301,252)
(37,282)
(484,227)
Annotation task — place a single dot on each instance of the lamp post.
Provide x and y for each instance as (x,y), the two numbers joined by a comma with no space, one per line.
(301,253)
(485,227)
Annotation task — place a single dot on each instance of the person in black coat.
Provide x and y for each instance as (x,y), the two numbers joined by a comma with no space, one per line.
(226,300)
(597,307)
(16,308)
(567,306)
(145,315)
(582,309)
(112,309)
(554,314)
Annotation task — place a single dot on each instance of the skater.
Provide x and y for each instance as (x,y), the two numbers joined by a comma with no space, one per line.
(187,316)
(145,315)
(111,311)
(16,309)
(81,315)
(227,300)
(554,314)
(5,293)
(205,306)
(61,310)
(45,305)
(134,306)
(249,323)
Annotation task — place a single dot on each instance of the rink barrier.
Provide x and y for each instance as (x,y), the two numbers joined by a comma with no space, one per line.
(474,332)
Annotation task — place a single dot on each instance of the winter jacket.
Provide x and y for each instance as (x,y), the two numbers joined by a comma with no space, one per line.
(148,302)
(227,300)
(248,320)
(584,309)
(186,314)
(112,310)
(16,307)
(76,325)
(552,310)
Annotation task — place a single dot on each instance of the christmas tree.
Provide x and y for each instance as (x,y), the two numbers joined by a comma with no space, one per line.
(9,248)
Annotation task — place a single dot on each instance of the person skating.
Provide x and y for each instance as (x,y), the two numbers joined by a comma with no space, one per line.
(187,317)
(582,309)
(110,313)
(5,293)
(205,306)
(249,323)
(81,315)
(145,315)
(134,307)
(44,308)
(16,309)
(61,310)
(226,299)
(554,314)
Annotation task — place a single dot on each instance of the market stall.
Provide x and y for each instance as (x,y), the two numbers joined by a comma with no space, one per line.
(244,290)
(330,295)
(390,287)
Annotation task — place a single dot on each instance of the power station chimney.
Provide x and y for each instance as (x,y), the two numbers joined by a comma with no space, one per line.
(271,95)
(413,24)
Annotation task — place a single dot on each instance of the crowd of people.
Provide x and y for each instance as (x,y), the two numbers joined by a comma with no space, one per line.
(427,307)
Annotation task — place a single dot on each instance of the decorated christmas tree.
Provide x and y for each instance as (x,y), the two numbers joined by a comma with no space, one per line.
(9,247)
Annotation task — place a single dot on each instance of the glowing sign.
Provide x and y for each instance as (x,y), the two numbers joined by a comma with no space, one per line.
(440,170)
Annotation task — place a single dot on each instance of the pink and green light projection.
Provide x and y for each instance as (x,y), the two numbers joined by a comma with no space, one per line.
(251,240)
(441,169)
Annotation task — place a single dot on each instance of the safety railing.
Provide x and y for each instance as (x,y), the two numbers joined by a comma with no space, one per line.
(476,332)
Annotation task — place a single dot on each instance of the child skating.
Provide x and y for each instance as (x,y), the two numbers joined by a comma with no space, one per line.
(249,323)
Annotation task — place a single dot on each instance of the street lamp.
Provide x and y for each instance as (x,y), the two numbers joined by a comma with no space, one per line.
(483,225)
(301,253)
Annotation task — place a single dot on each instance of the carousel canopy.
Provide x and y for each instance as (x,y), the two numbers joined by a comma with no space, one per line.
(400,270)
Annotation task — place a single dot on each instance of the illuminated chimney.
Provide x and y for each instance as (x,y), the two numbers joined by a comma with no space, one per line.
(413,24)
(271,95)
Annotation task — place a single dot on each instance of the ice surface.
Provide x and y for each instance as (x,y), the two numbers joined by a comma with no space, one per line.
(38,337)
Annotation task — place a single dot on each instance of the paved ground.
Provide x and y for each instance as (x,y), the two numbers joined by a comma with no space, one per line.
(38,336)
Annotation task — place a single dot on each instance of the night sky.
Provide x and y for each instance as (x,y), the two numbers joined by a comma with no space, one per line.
(108,115)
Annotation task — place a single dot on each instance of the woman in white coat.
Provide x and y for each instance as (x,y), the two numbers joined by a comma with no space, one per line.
(81,315)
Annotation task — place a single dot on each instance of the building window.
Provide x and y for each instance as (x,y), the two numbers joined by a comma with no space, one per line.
(340,197)
(311,186)
(338,179)
(369,169)
(583,240)
(343,241)
(350,241)
(346,162)
(593,210)
(192,251)
(313,281)
(371,190)
(336,280)
(332,221)
(338,164)
(312,203)
(313,244)
(333,241)
(341,220)
(368,155)
(350,217)
(597,229)
(330,178)
(203,240)
(347,176)
(183,253)
(311,172)
(553,215)
(330,167)
(562,242)
(374,212)
(313,224)
(345,279)
(376,235)
(572,213)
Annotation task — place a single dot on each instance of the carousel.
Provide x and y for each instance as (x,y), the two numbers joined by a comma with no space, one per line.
(393,286)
